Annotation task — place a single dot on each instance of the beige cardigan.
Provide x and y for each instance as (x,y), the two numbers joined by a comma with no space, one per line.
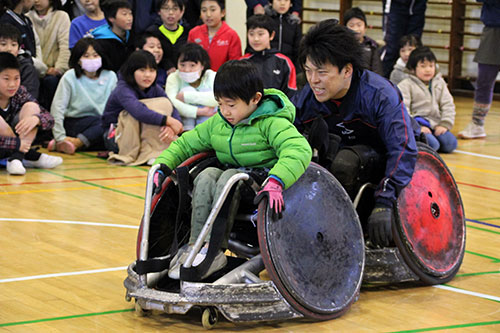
(53,32)
(438,108)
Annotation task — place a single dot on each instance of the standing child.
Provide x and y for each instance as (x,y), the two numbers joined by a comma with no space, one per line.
(355,19)
(190,88)
(276,69)
(407,44)
(253,129)
(148,41)
(215,36)
(80,99)
(115,36)
(429,101)
(140,112)
(83,25)
(20,117)
(171,33)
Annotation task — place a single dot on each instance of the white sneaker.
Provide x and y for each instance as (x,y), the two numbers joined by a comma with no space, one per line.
(44,162)
(472,131)
(15,167)
(180,258)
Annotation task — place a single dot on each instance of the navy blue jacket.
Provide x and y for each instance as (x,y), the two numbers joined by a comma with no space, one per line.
(490,13)
(372,113)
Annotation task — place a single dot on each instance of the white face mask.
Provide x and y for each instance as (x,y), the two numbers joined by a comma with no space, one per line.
(91,65)
(189,77)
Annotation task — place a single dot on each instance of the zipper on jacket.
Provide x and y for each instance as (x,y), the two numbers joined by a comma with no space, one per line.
(230,140)
(411,6)
(281,32)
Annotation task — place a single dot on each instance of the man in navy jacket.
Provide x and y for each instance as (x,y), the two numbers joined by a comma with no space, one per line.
(366,115)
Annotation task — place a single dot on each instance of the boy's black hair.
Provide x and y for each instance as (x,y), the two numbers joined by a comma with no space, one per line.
(222,3)
(354,12)
(56,4)
(194,52)
(260,21)
(143,38)
(410,40)
(137,60)
(79,50)
(8,61)
(329,42)
(238,79)
(8,31)
(8,4)
(161,3)
(420,54)
(110,8)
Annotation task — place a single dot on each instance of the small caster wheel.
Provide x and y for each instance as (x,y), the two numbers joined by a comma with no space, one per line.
(209,318)
(127,297)
(140,312)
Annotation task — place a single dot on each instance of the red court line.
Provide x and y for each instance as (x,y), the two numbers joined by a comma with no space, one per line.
(478,186)
(71,181)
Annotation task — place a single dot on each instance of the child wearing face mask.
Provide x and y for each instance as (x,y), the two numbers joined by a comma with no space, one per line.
(80,99)
(190,87)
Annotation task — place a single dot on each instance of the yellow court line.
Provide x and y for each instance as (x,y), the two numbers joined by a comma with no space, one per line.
(71,189)
(473,169)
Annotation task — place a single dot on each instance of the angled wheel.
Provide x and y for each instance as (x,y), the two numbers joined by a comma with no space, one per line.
(209,318)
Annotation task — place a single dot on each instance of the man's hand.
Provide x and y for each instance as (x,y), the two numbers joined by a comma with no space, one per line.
(161,174)
(274,192)
(380,225)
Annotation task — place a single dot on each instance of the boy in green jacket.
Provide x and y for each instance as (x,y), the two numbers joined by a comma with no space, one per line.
(253,129)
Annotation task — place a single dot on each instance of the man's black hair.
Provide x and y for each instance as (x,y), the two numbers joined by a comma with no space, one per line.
(161,3)
(111,7)
(8,31)
(354,12)
(420,54)
(410,40)
(8,61)
(79,50)
(137,60)
(260,21)
(329,42)
(238,79)
(222,3)
(194,52)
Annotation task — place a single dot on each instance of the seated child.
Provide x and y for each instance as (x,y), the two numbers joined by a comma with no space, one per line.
(407,44)
(171,33)
(150,42)
(429,101)
(190,88)
(355,20)
(287,27)
(10,41)
(276,69)
(80,99)
(215,36)
(138,121)
(115,36)
(83,25)
(253,129)
(20,117)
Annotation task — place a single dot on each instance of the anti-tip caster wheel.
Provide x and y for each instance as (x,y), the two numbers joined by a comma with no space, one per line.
(140,312)
(209,318)
(127,297)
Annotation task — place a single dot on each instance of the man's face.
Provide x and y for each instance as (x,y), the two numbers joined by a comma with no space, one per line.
(123,19)
(326,81)
(9,45)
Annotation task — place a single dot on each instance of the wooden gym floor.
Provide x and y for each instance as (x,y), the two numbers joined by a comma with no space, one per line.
(67,235)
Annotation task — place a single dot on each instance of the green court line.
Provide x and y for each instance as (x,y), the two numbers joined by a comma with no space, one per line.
(479,273)
(485,323)
(489,219)
(482,229)
(495,260)
(93,184)
(64,318)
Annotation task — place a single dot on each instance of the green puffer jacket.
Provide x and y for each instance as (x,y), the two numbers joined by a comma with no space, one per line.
(267,138)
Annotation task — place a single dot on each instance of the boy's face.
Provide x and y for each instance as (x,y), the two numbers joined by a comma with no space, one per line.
(358,26)
(235,110)
(9,45)
(10,80)
(153,45)
(123,19)
(90,5)
(326,81)
(259,39)
(405,51)
(211,13)
(425,70)
(170,13)
(282,6)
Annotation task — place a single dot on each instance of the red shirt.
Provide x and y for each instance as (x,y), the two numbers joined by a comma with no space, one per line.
(225,45)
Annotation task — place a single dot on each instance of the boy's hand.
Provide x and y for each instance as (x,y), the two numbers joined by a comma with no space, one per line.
(425,130)
(159,177)
(439,130)
(25,146)
(274,192)
(26,125)
(206,111)
(174,124)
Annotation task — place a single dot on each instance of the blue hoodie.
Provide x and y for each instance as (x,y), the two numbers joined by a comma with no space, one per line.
(116,50)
